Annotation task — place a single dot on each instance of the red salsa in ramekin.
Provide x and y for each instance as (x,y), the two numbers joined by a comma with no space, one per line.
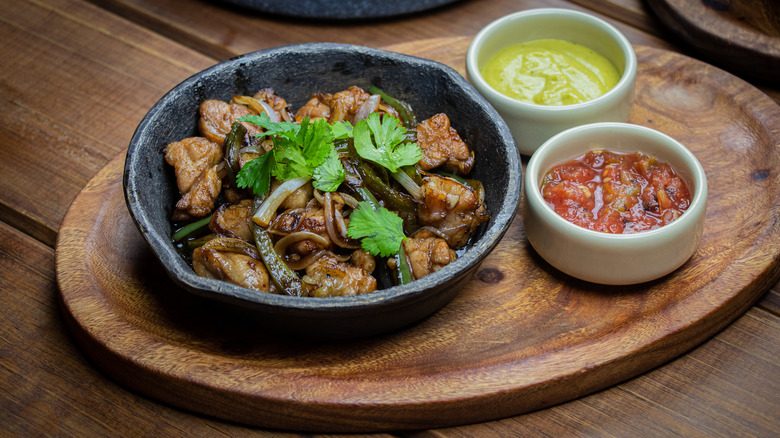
(616,192)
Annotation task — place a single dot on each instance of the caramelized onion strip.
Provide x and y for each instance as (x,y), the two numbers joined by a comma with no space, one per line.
(368,107)
(265,212)
(305,262)
(230,244)
(330,224)
(284,242)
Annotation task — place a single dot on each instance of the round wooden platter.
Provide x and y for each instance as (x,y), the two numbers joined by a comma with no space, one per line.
(521,336)
(740,35)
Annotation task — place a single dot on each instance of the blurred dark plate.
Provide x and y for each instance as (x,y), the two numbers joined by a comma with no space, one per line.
(341,9)
(742,36)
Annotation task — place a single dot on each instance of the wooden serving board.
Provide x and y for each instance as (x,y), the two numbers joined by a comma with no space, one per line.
(521,336)
(740,35)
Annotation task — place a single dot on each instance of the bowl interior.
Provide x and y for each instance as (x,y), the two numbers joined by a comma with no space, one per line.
(295,72)
(560,24)
(621,137)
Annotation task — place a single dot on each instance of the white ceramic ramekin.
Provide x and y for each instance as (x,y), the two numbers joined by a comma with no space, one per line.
(613,258)
(532,124)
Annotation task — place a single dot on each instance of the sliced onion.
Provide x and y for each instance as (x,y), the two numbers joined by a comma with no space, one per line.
(284,242)
(230,244)
(368,107)
(253,149)
(335,236)
(299,265)
(349,200)
(342,225)
(408,183)
(265,212)
(258,106)
(433,230)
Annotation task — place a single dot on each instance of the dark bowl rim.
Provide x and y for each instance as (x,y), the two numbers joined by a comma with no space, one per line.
(182,273)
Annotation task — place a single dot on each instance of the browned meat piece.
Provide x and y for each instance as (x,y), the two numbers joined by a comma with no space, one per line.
(327,277)
(427,253)
(195,161)
(269,96)
(452,208)
(233,267)
(441,145)
(345,104)
(217,117)
(318,107)
(199,201)
(298,199)
(234,220)
(363,260)
(311,219)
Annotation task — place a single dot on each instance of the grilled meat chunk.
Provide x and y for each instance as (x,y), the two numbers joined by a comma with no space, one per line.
(442,146)
(427,253)
(233,267)
(454,209)
(327,277)
(217,117)
(234,220)
(195,161)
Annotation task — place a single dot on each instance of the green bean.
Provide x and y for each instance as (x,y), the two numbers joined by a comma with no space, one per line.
(393,199)
(190,228)
(281,274)
(404,271)
(232,145)
(404,109)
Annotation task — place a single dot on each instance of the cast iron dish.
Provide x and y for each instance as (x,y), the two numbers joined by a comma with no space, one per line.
(295,72)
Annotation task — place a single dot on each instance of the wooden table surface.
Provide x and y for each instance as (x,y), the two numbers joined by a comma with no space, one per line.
(76,78)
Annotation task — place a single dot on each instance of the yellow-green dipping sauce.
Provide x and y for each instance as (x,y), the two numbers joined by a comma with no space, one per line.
(550,72)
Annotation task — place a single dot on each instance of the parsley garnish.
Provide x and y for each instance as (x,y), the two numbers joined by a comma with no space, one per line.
(300,150)
(381,140)
(381,231)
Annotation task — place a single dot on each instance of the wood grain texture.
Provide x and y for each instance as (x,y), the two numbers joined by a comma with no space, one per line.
(223,31)
(740,35)
(520,337)
(72,95)
(49,387)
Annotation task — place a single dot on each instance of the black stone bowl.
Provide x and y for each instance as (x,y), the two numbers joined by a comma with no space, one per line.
(295,72)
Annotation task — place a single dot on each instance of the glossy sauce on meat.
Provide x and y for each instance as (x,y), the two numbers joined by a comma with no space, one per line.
(308,230)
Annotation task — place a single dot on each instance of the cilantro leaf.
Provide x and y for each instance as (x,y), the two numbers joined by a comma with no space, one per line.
(341,130)
(257,173)
(381,140)
(299,151)
(381,231)
(329,175)
(284,129)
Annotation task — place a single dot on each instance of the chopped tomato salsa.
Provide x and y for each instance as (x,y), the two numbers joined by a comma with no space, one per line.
(615,192)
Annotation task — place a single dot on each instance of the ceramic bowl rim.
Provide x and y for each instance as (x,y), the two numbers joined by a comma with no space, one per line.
(535,200)
(626,79)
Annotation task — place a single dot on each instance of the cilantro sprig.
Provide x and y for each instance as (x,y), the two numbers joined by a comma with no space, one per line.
(300,150)
(307,150)
(381,140)
(380,231)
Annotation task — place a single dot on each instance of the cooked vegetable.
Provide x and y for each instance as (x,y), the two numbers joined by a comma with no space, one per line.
(191,228)
(280,273)
(332,193)
(381,231)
